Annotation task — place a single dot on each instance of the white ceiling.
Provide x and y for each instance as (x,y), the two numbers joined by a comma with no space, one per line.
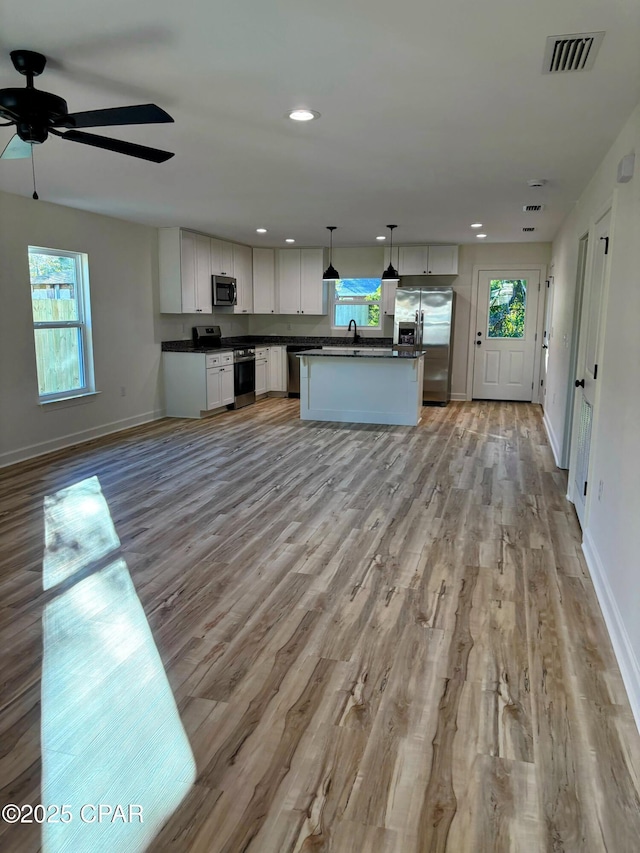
(434,115)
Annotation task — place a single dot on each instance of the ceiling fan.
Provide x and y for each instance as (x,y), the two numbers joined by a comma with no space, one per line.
(36,114)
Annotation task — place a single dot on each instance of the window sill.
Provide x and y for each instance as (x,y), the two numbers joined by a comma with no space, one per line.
(74,400)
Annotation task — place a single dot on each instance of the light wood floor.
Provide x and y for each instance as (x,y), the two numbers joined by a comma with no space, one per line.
(379,640)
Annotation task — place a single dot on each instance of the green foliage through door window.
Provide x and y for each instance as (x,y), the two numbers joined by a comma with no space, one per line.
(507,306)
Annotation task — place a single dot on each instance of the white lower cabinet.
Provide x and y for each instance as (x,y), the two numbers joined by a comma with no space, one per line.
(262,371)
(197,382)
(219,387)
(278,371)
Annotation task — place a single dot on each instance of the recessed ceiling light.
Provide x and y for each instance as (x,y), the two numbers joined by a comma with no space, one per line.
(477,225)
(261,230)
(303,115)
(381,238)
(289,240)
(481,236)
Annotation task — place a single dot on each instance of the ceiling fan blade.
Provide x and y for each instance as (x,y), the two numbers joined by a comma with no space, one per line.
(140,114)
(17,149)
(155,155)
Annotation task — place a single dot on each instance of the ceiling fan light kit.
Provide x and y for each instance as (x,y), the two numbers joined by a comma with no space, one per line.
(36,114)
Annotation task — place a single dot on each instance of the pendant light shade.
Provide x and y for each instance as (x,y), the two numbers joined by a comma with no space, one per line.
(391,274)
(331,273)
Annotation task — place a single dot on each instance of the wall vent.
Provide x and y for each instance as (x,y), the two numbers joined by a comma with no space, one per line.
(572,52)
(532,208)
(528,229)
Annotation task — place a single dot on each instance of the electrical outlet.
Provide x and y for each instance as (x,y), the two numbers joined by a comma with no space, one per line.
(289,327)
(600,489)
(123,391)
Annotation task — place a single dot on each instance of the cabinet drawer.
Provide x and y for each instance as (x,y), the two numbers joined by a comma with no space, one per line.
(262,353)
(218,359)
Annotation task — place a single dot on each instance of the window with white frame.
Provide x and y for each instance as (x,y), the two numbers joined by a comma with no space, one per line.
(61,322)
(357,299)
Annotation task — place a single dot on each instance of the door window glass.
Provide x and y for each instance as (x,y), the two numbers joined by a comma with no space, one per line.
(507,307)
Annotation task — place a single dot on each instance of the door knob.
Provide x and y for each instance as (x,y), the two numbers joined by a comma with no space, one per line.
(478,343)
(579,383)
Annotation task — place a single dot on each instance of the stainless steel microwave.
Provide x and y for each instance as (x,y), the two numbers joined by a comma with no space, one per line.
(224,290)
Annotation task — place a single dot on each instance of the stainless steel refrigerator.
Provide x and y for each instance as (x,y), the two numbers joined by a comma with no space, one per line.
(423,320)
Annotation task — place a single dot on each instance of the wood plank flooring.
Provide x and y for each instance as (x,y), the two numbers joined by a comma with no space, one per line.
(379,640)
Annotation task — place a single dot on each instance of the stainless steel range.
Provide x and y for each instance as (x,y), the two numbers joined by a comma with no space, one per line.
(244,376)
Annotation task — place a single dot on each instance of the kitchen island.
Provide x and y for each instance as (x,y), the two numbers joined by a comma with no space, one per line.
(366,386)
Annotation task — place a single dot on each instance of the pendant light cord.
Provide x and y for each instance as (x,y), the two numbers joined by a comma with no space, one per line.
(33,172)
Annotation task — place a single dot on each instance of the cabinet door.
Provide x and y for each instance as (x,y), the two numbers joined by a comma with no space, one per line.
(214,387)
(226,385)
(413,260)
(188,272)
(204,298)
(243,271)
(264,281)
(389,297)
(221,257)
(261,376)
(443,260)
(277,369)
(312,288)
(289,281)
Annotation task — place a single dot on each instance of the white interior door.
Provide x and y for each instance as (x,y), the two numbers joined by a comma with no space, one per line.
(585,383)
(505,339)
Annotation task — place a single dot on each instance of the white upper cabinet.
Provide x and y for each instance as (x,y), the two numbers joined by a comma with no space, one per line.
(389,297)
(413,260)
(443,260)
(299,284)
(185,272)
(264,281)
(425,260)
(243,271)
(204,292)
(221,258)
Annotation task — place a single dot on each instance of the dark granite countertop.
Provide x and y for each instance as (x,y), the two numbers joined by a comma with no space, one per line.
(358,352)
(275,340)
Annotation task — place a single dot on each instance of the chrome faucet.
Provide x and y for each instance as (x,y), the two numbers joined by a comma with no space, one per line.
(355,330)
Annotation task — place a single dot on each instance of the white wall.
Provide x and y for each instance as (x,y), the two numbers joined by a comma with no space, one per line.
(122,271)
(611,533)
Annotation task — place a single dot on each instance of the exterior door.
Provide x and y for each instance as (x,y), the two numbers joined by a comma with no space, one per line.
(505,339)
(587,373)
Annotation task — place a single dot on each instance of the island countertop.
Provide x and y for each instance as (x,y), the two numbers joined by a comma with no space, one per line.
(359,352)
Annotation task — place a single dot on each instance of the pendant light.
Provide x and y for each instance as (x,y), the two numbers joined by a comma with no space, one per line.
(390,274)
(331,273)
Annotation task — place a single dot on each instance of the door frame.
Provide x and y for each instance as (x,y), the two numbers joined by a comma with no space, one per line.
(609,207)
(475,280)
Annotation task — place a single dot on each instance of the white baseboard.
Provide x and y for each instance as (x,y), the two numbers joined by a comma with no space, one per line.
(553,441)
(625,655)
(458,395)
(32,450)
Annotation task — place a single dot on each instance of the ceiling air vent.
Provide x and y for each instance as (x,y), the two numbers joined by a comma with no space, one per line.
(572,52)
(528,229)
(532,208)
